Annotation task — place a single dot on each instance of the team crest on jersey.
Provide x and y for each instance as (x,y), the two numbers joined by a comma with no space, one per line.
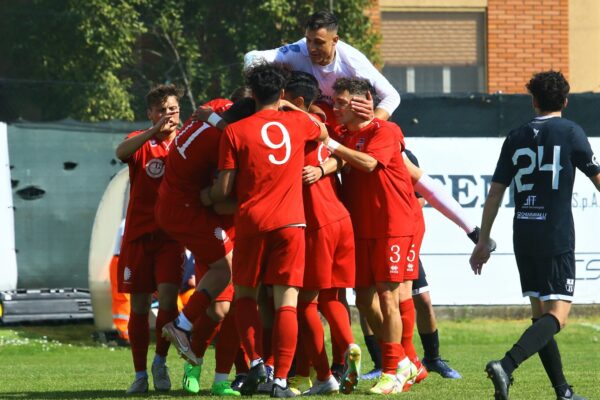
(360,145)
(570,285)
(284,49)
(220,234)
(155,168)
(127,273)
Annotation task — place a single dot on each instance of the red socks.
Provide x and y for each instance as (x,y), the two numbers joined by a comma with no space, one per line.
(249,326)
(228,345)
(336,315)
(196,305)
(285,337)
(139,338)
(312,337)
(241,361)
(163,317)
(407,313)
(203,332)
(391,354)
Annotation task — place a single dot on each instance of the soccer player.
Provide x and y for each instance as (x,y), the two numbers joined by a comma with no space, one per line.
(541,157)
(260,162)
(150,259)
(322,54)
(329,257)
(378,192)
(191,166)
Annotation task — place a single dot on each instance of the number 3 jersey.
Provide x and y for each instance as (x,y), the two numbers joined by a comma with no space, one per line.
(541,157)
(267,150)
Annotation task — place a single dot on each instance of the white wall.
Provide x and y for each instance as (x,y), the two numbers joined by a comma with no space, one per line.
(8,258)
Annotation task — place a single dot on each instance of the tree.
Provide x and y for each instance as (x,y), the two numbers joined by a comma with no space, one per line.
(95,60)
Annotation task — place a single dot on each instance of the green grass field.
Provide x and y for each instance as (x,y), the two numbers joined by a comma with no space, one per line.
(63,362)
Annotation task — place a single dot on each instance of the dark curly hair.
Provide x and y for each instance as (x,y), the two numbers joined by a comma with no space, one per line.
(159,94)
(550,89)
(303,84)
(354,86)
(322,19)
(266,80)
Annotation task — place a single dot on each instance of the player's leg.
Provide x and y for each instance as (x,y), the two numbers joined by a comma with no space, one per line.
(412,371)
(139,338)
(373,348)
(266,308)
(226,349)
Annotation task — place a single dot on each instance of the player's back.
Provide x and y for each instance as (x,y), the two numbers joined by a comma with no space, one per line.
(192,162)
(267,150)
(542,156)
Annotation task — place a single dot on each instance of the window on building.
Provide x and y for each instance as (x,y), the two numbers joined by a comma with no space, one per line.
(434,52)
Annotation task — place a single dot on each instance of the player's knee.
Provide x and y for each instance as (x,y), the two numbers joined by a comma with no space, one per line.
(218,311)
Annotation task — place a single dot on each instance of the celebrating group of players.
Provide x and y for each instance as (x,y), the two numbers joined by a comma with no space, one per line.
(284,203)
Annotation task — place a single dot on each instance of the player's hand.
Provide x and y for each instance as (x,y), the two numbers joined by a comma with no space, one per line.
(285,105)
(311,174)
(314,109)
(363,107)
(164,123)
(481,255)
(202,113)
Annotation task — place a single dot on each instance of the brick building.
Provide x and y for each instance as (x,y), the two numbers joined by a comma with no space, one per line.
(453,46)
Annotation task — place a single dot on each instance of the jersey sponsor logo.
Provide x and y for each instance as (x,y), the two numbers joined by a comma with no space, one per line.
(295,48)
(155,168)
(394,269)
(532,216)
(220,234)
(360,145)
(410,267)
(535,132)
(570,286)
(127,273)
(284,49)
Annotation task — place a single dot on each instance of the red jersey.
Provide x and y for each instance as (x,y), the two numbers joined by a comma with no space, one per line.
(380,202)
(321,203)
(267,150)
(192,163)
(146,170)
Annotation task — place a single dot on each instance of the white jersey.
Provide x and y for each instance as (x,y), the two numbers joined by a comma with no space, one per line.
(348,63)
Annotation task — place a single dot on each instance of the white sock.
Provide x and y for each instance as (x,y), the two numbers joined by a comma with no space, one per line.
(183,323)
(220,377)
(254,363)
(403,363)
(280,382)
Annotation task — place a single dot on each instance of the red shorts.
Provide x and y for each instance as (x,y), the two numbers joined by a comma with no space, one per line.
(381,260)
(226,294)
(273,258)
(412,267)
(330,261)
(148,261)
(208,236)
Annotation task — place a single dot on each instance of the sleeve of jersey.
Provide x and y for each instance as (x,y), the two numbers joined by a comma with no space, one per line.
(390,98)
(286,55)
(313,129)
(227,151)
(382,146)
(505,170)
(583,155)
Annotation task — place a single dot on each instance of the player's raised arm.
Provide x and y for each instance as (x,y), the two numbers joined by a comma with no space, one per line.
(132,144)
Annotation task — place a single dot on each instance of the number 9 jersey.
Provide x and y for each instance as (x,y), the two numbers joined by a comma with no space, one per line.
(541,157)
(267,150)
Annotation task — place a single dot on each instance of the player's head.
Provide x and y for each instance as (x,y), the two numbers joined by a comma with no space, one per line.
(549,90)
(321,37)
(242,108)
(163,99)
(344,90)
(302,89)
(267,82)
(240,93)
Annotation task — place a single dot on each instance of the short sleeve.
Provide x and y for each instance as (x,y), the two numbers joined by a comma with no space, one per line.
(227,150)
(505,169)
(313,129)
(583,155)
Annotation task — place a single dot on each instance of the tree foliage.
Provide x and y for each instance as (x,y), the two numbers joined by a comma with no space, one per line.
(95,59)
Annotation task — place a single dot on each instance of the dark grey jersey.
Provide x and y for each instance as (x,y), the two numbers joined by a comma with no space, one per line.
(541,157)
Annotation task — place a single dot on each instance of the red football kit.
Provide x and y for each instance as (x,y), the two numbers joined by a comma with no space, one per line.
(330,260)
(191,167)
(148,255)
(380,203)
(267,150)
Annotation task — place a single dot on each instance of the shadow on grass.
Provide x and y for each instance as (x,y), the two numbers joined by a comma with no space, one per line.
(95,394)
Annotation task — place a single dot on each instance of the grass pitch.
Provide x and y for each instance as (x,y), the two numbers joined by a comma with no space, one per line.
(63,362)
